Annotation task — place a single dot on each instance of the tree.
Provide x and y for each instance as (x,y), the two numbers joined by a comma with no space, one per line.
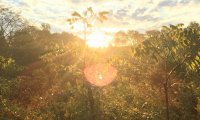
(135,37)
(25,46)
(131,37)
(45,27)
(121,39)
(85,19)
(169,49)
(10,22)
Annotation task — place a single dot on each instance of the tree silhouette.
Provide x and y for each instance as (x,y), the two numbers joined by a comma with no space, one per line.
(87,18)
(10,22)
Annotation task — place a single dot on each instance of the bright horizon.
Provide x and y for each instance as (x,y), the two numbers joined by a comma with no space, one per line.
(124,14)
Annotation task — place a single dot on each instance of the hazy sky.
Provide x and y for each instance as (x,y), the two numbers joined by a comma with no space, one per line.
(139,15)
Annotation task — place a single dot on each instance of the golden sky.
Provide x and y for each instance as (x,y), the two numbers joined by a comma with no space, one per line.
(138,15)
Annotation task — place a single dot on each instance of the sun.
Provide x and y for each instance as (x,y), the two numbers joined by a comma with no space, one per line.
(98,39)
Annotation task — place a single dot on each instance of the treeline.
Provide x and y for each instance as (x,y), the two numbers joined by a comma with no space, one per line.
(41,74)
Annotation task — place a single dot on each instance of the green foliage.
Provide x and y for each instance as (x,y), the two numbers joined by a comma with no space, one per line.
(8,68)
(175,50)
(52,84)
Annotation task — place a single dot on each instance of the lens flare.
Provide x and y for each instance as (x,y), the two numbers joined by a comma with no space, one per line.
(100,74)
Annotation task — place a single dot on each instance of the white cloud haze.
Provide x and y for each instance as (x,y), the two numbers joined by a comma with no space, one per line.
(139,15)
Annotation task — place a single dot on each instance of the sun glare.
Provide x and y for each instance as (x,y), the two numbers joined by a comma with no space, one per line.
(100,74)
(78,26)
(98,40)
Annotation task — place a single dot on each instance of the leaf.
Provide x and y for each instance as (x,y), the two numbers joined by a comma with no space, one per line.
(69,21)
(180,25)
(102,18)
(103,13)
(197,58)
(76,14)
(172,26)
(174,49)
(90,10)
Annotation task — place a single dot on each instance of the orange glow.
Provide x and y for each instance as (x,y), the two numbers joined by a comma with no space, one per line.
(98,40)
(100,74)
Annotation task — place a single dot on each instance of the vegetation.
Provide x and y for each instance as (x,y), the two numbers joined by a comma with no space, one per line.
(42,73)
